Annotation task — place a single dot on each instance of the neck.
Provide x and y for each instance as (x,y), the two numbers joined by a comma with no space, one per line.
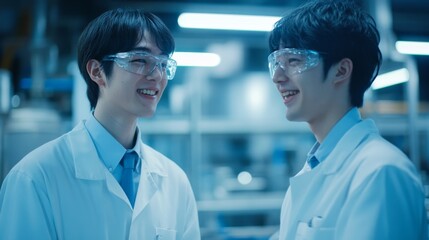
(322,127)
(122,129)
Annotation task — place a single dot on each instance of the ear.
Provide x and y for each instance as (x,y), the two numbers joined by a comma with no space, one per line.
(343,71)
(95,71)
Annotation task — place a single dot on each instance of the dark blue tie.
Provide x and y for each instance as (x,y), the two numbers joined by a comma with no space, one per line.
(127,183)
(313,162)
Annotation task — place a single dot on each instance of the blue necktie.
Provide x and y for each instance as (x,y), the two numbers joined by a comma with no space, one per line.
(127,183)
(313,162)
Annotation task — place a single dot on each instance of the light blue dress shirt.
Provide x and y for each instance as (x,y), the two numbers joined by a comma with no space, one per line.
(110,150)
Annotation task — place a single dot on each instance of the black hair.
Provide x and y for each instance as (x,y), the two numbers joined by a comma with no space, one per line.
(114,31)
(337,29)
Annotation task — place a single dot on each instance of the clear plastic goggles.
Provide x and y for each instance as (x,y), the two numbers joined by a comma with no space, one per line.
(292,61)
(144,63)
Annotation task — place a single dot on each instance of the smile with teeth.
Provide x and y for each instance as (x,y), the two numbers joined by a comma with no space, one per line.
(290,93)
(147,92)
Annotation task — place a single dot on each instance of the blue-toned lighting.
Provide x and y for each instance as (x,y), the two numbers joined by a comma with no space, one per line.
(227,21)
(391,78)
(412,47)
(196,59)
(244,177)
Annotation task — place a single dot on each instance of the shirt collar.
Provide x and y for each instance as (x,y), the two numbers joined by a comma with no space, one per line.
(108,148)
(322,150)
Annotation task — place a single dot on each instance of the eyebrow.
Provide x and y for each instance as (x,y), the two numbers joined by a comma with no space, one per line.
(148,50)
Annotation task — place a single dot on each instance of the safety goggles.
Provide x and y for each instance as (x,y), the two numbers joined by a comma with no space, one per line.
(144,63)
(292,61)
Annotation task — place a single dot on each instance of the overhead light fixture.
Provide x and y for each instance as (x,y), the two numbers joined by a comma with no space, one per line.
(413,48)
(391,78)
(227,21)
(196,59)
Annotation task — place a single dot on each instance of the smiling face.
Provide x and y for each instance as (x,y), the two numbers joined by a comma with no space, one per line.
(129,94)
(307,95)
(313,96)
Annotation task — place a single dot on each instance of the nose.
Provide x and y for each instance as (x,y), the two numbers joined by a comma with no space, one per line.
(155,72)
(279,75)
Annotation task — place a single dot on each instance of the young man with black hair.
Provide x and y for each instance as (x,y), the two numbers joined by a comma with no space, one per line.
(355,184)
(100,181)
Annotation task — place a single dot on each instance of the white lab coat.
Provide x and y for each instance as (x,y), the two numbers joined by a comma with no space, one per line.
(62,190)
(365,189)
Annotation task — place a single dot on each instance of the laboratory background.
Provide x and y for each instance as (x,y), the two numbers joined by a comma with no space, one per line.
(221,118)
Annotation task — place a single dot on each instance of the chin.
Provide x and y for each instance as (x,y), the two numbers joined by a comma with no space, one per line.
(147,113)
(293,117)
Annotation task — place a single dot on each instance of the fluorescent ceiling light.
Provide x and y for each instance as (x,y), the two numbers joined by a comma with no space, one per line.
(414,48)
(227,21)
(390,78)
(196,59)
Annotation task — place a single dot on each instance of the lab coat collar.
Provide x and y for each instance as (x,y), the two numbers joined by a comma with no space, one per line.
(346,145)
(86,161)
(89,166)
(308,180)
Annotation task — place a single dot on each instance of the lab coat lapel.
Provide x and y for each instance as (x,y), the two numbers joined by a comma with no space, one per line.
(86,161)
(345,147)
(306,185)
(151,177)
(87,164)
(302,188)
(147,189)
